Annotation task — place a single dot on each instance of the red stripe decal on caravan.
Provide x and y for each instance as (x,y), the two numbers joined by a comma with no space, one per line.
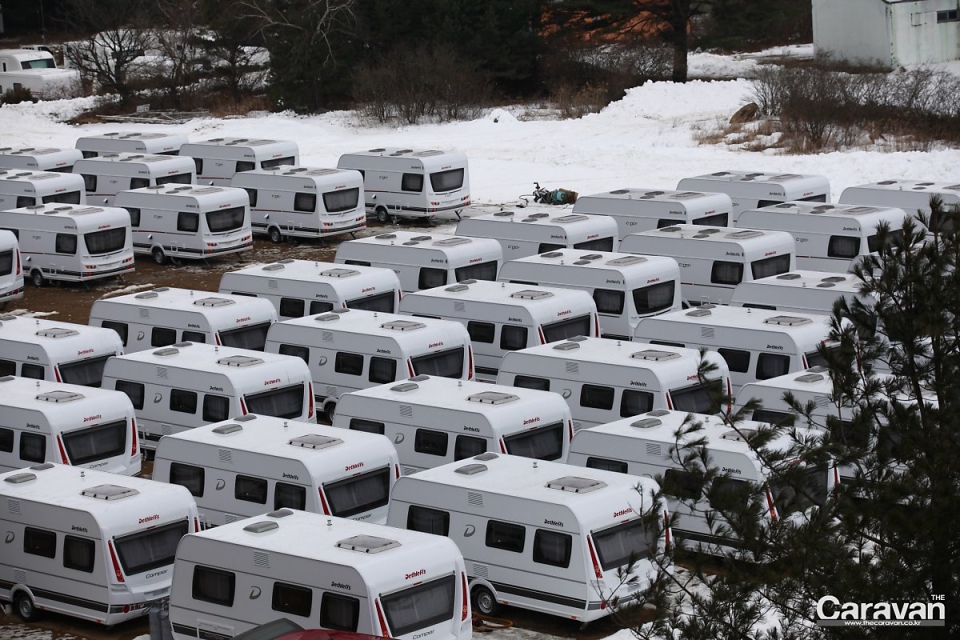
(133,445)
(113,558)
(383,623)
(63,452)
(323,502)
(464,607)
(310,410)
(593,558)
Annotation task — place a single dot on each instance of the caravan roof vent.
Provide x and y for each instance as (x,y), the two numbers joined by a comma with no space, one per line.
(577,338)
(246,418)
(421,238)
(625,261)
(225,429)
(109,492)
(859,211)
(552,254)
(886,182)
(202,191)
(787,205)
(315,441)
(410,243)
(470,469)
(167,351)
(566,346)
(57,332)
(367,544)
(492,397)
(683,195)
(503,214)
(537,216)
(655,355)
(826,285)
(240,361)
(810,377)
(744,235)
(280,513)
(574,217)
(789,276)
(378,150)
(647,423)
(699,313)
(658,412)
(576,484)
(785,176)
(428,153)
(671,229)
(487,455)
(385,236)
(591,256)
(531,294)
(60,396)
(788,321)
(327,317)
(339,273)
(405,387)
(261,527)
(653,194)
(20,478)
(8,378)
(452,242)
(274,267)
(820,208)
(457,287)
(953,187)
(835,279)
(420,378)
(403,325)
(721,173)
(740,436)
(147,295)
(580,263)
(213,302)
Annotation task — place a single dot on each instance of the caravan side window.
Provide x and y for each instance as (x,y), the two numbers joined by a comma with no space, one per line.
(737,360)
(8,368)
(183,401)
(250,489)
(350,364)
(606,464)
(252,194)
(214,585)
(288,598)
(412,182)
(319,306)
(33,447)
(293,350)
(430,278)
(843,247)
(341,613)
(66,244)
(188,221)
(634,402)
(215,408)
(596,397)
(513,337)
(245,165)
(6,440)
(531,382)
(189,476)
(139,183)
(428,520)
(291,496)
(134,216)
(481,331)
(162,337)
(468,446)
(78,553)
(681,484)
(120,327)
(771,365)
(89,182)
(726,272)
(196,161)
(552,548)
(431,443)
(39,542)
(608,301)
(134,391)
(382,370)
(25,201)
(292,307)
(32,371)
(773,266)
(369,426)
(506,536)
(193,336)
(305,202)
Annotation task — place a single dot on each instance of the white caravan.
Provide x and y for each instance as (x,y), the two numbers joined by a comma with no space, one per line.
(586,528)
(53,350)
(799,292)
(425,261)
(411,183)
(605,380)
(188,222)
(11,268)
(319,571)
(303,202)
(524,233)
(300,288)
(753,190)
(268,463)
(191,384)
(95,545)
(164,316)
(715,260)
(912,196)
(830,237)
(28,188)
(55,422)
(645,209)
(756,343)
(36,71)
(624,287)
(648,445)
(218,159)
(38,158)
(71,243)
(349,349)
(107,174)
(432,420)
(153,143)
(502,317)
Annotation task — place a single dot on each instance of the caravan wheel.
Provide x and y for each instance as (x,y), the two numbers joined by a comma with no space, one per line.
(158,256)
(330,411)
(382,216)
(275,236)
(25,607)
(484,602)
(36,277)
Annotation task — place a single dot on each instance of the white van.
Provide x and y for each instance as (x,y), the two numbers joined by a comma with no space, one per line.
(96,546)
(502,317)
(52,350)
(218,159)
(830,237)
(38,158)
(645,209)
(715,260)
(300,288)
(756,343)
(605,380)
(164,316)
(755,189)
(586,528)
(351,349)
(28,188)
(525,233)
(191,384)
(188,222)
(624,287)
(647,445)
(268,463)
(799,292)
(319,571)
(411,183)
(56,422)
(912,196)
(425,261)
(422,415)
(107,174)
(11,268)
(71,243)
(303,202)
(164,144)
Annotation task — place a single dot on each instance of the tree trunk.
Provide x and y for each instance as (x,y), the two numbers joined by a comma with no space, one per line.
(680,46)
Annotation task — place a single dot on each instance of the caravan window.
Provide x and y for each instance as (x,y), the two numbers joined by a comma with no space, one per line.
(78,553)
(716,220)
(606,464)
(446,180)
(318,306)
(810,489)
(506,536)
(624,543)
(513,337)
(655,298)
(177,178)
(728,494)
(547,246)
(189,476)
(8,368)
(140,183)
(343,200)
(843,247)
(134,216)
(771,365)
(682,484)
(134,391)
(772,416)
(39,542)
(288,598)
(244,165)
(431,443)
(446,364)
(428,520)
(253,337)
(120,327)
(726,272)
(291,496)
(193,336)
(198,162)
(214,585)
(698,398)
(183,401)
(252,195)
(358,494)
(350,364)
(88,373)
(634,402)
(531,382)
(96,443)
(279,403)
(162,337)
(250,489)
(382,370)
(188,221)
(411,182)
(32,371)
(737,360)
(479,271)
(468,446)
(600,244)
(150,549)
(552,548)
(225,219)
(596,397)
(66,244)
(33,447)
(273,164)
(305,202)
(215,408)
(608,301)
(772,266)
(292,307)
(6,263)
(545,443)
(816,359)
(420,606)
(567,329)
(430,278)
(339,612)
(481,331)
(6,440)
(893,236)
(367,426)
(89,182)
(381,302)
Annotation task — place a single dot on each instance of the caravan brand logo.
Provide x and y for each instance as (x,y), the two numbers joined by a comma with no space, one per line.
(91,418)
(10,537)
(291,476)
(416,574)
(622,512)
(340,585)
(74,527)
(555,523)
(155,516)
(531,421)
(267,383)
(84,352)
(244,319)
(833,613)
(434,344)
(351,467)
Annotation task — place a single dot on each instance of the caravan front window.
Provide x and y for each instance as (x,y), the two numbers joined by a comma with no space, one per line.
(600,244)
(623,543)
(253,337)
(564,329)
(444,181)
(33,447)
(87,373)
(545,443)
(772,266)
(70,197)
(273,164)
(291,496)
(280,403)
(149,549)
(479,271)
(698,398)
(655,298)
(380,302)
(446,364)
(358,494)
(225,219)
(6,263)
(177,178)
(343,200)
(106,241)
(96,443)
(339,612)
(608,301)
(421,606)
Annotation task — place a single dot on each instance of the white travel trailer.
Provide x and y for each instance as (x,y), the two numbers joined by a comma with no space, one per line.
(624,287)
(502,317)
(411,183)
(300,288)
(753,190)
(830,237)
(28,188)
(303,202)
(188,222)
(268,463)
(605,380)
(912,196)
(164,316)
(71,243)
(218,159)
(319,571)
(11,268)
(153,143)
(52,350)
(96,546)
(586,529)
(36,71)
(425,261)
(38,158)
(647,445)
(349,349)
(191,384)
(715,260)
(425,415)
(799,292)
(645,209)
(525,233)
(109,173)
(55,422)
(756,343)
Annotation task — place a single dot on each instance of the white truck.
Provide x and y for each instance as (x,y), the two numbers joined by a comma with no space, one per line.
(36,71)
(149,142)
(109,173)
(11,268)
(21,188)
(641,209)
(756,189)
(218,159)
(38,158)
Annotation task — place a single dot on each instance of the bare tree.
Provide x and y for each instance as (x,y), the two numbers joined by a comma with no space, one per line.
(176,39)
(239,65)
